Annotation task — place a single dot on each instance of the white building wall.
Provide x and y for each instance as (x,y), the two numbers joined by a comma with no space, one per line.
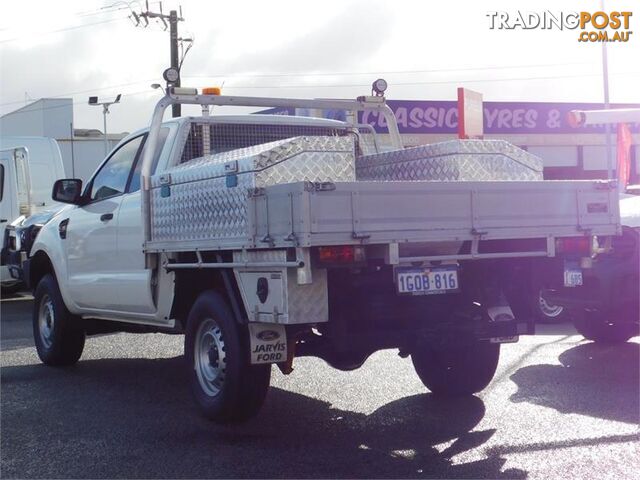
(53,117)
(23,122)
(48,117)
(594,157)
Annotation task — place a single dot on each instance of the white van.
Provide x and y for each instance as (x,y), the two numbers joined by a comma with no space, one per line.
(28,168)
(45,165)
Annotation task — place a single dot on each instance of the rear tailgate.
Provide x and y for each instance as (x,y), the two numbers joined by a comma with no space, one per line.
(382,212)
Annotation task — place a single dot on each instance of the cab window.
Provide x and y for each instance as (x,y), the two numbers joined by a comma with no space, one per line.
(112,177)
(134,184)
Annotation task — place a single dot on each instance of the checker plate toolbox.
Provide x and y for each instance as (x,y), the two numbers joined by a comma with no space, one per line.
(456,160)
(207,200)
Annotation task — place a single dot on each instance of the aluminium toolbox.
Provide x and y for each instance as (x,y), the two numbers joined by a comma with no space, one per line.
(455,160)
(205,199)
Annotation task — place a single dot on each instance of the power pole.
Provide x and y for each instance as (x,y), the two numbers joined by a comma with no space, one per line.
(142,19)
(176,109)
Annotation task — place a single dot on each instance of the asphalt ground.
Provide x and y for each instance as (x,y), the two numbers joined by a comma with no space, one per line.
(558,407)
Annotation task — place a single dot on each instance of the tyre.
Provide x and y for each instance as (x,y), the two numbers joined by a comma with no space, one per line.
(457,371)
(595,326)
(58,337)
(226,387)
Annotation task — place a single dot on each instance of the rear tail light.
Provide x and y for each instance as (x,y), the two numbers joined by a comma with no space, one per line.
(574,245)
(341,254)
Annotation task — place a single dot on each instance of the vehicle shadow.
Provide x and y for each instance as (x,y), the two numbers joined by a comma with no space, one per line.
(15,321)
(595,380)
(134,418)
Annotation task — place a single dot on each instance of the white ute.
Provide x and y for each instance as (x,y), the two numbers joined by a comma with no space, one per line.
(263,238)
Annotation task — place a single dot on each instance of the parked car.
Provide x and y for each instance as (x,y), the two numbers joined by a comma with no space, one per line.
(28,168)
(606,308)
(633,189)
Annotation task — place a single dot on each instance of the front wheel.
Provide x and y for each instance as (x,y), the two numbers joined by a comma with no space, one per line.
(59,339)
(225,385)
(456,371)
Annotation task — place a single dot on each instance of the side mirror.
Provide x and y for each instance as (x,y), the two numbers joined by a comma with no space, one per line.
(67,190)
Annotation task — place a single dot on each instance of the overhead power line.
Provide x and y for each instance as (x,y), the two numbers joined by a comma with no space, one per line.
(435,82)
(141,19)
(387,72)
(89,90)
(84,25)
(79,102)
(103,11)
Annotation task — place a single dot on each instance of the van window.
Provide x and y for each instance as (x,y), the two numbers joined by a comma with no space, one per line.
(1,181)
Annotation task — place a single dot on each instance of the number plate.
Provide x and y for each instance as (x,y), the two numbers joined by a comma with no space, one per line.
(572,274)
(572,277)
(427,281)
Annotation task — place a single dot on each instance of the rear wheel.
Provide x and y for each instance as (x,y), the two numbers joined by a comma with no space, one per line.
(597,327)
(225,385)
(58,337)
(456,371)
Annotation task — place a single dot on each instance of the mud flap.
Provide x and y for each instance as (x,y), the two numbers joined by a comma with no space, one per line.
(268,343)
(502,313)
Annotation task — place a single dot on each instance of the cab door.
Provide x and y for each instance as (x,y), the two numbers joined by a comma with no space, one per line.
(136,292)
(90,233)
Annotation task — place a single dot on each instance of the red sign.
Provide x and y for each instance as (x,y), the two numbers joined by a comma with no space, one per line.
(624,153)
(470,114)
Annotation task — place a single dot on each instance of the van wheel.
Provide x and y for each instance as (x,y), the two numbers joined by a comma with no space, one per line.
(548,312)
(455,371)
(225,385)
(595,326)
(58,337)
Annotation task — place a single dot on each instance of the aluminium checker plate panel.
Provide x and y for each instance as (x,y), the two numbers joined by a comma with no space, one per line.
(295,303)
(456,160)
(205,200)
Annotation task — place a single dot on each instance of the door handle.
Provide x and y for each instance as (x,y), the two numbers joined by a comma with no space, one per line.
(105,217)
(3,220)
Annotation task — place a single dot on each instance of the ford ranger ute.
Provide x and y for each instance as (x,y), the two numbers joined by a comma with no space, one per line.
(263,238)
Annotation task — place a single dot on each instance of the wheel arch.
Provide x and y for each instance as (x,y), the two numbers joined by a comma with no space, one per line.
(189,284)
(40,265)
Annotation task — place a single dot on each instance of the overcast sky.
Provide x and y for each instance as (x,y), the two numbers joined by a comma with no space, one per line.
(304,49)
